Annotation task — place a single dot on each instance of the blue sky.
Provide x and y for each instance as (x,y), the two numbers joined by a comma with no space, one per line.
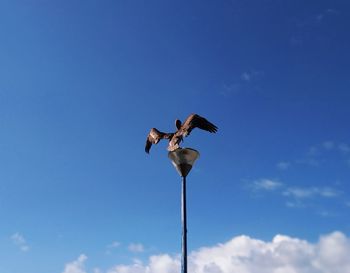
(81,84)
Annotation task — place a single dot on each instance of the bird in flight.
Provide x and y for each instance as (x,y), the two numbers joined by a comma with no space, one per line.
(183,130)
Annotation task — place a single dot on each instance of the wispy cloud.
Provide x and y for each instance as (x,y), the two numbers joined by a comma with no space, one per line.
(326,213)
(246,76)
(20,242)
(320,16)
(114,244)
(348,162)
(295,204)
(306,23)
(245,82)
(308,161)
(245,254)
(332,11)
(111,246)
(328,145)
(295,196)
(344,148)
(310,192)
(334,146)
(313,151)
(230,89)
(328,12)
(303,197)
(266,184)
(296,40)
(317,154)
(283,165)
(314,20)
(136,247)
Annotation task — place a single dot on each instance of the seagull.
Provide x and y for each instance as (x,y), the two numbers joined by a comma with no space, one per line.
(183,130)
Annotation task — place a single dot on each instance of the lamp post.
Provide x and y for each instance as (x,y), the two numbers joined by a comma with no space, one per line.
(183,160)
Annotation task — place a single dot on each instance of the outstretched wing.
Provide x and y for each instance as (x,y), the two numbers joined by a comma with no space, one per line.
(196,121)
(154,137)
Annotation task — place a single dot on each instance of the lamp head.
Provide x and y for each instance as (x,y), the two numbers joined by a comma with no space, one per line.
(183,160)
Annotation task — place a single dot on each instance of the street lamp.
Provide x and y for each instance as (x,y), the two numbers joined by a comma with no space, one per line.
(183,160)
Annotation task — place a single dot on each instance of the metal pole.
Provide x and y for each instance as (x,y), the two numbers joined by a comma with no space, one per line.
(184,226)
(183,160)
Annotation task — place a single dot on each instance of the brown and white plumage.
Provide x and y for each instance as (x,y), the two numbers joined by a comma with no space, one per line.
(196,121)
(154,137)
(183,130)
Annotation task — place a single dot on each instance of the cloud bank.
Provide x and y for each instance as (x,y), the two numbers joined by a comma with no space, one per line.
(248,255)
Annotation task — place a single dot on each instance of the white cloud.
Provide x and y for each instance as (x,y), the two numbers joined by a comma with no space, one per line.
(243,254)
(19,241)
(333,253)
(298,192)
(136,248)
(266,184)
(76,266)
(134,268)
(283,165)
